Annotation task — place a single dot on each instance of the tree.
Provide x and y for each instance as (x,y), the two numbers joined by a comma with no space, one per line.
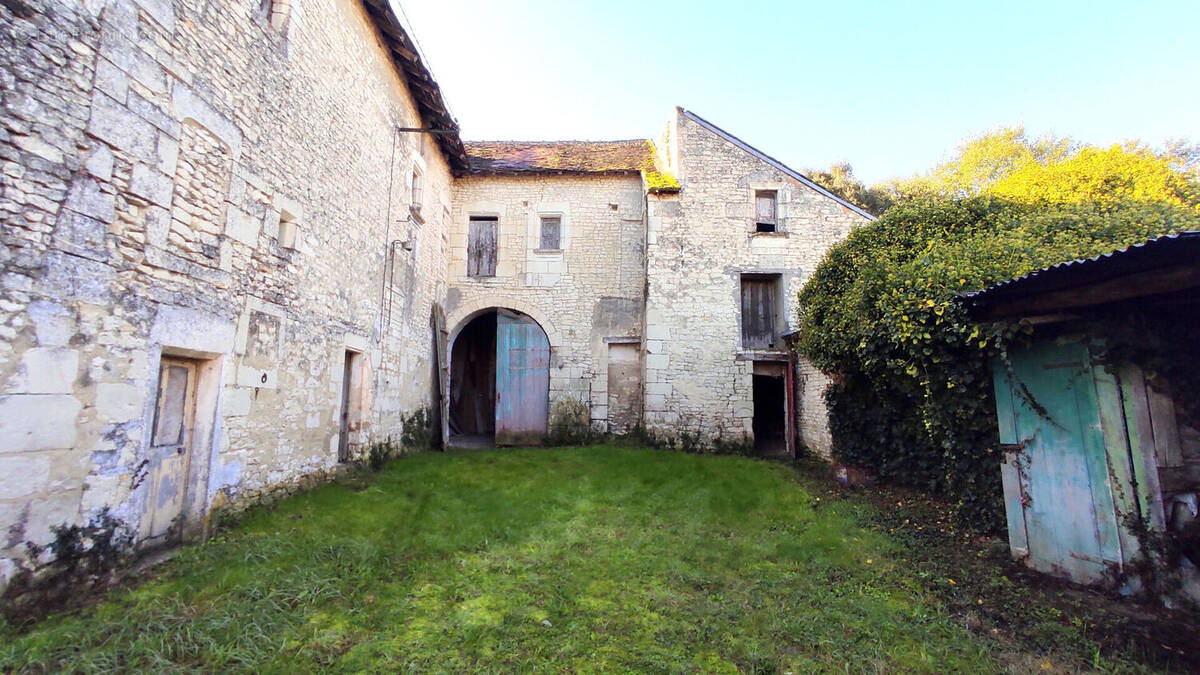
(1130,173)
(980,163)
(840,180)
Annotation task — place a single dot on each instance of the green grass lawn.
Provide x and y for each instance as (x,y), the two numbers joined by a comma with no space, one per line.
(583,559)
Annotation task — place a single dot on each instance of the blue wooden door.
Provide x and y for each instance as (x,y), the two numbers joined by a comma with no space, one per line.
(1056,482)
(522,380)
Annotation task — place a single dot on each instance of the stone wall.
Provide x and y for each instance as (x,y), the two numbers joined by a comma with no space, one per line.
(153,154)
(590,290)
(699,243)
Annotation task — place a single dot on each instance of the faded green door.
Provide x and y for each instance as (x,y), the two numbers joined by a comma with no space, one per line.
(1056,482)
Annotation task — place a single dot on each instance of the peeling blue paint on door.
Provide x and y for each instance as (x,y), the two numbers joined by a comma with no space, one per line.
(522,380)
(1056,480)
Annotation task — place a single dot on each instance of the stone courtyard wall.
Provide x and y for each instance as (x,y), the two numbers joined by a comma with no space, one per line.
(150,150)
(592,290)
(699,242)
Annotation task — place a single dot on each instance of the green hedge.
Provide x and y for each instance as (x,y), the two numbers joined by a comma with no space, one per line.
(912,399)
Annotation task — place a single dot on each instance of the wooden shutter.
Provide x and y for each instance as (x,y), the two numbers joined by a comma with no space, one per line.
(758,313)
(481,247)
(551,233)
(764,210)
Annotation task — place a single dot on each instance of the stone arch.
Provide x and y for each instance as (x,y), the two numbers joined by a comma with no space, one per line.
(494,392)
(461,316)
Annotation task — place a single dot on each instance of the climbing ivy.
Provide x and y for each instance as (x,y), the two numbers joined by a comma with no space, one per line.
(912,398)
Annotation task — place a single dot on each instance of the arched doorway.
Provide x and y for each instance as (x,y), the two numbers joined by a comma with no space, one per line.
(499,380)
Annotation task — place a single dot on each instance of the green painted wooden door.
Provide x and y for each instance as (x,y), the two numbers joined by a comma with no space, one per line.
(1056,479)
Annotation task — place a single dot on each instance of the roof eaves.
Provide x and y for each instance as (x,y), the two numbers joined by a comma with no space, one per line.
(434,113)
(774,162)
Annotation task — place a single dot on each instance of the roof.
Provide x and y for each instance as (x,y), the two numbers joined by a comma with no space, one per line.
(431,106)
(558,156)
(774,162)
(1166,264)
(570,157)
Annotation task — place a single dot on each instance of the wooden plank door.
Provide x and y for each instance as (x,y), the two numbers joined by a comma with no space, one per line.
(170,448)
(522,380)
(1056,477)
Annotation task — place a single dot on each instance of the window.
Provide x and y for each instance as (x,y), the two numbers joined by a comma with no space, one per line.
(481,246)
(288,227)
(760,311)
(551,233)
(417,185)
(275,12)
(764,211)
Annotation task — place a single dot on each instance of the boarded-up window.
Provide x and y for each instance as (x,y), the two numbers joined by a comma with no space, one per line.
(551,233)
(171,408)
(481,246)
(764,210)
(760,315)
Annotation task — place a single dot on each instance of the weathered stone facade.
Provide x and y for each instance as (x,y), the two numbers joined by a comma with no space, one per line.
(150,151)
(228,189)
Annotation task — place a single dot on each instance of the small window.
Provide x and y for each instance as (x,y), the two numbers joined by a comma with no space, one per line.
(288,231)
(417,187)
(760,311)
(481,246)
(764,211)
(551,233)
(275,12)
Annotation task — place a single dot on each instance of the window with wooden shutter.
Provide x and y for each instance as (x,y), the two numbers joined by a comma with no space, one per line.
(481,246)
(551,239)
(760,315)
(765,219)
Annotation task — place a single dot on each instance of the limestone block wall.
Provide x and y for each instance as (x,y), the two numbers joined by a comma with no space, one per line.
(699,243)
(153,153)
(591,290)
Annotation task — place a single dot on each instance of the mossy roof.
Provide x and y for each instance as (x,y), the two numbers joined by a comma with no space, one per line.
(569,157)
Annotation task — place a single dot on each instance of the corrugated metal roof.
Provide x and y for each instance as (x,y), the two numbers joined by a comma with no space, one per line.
(1164,251)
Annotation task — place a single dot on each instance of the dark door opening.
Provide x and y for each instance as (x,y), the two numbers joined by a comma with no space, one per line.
(499,381)
(770,414)
(346,415)
(473,379)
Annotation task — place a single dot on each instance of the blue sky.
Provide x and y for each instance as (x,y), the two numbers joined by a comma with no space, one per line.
(891,87)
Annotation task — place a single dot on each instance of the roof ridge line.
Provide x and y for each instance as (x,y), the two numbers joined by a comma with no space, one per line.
(774,162)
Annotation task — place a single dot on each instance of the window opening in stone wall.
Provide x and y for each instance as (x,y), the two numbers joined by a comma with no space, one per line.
(551,239)
(481,246)
(417,189)
(288,230)
(765,219)
(275,12)
(760,311)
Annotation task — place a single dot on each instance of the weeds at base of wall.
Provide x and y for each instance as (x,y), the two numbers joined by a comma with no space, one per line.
(79,561)
(416,431)
(570,424)
(686,437)
(1158,571)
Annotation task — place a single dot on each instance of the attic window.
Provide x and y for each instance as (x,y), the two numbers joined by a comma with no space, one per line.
(765,219)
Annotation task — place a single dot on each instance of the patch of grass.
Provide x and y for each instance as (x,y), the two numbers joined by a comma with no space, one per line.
(586,559)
